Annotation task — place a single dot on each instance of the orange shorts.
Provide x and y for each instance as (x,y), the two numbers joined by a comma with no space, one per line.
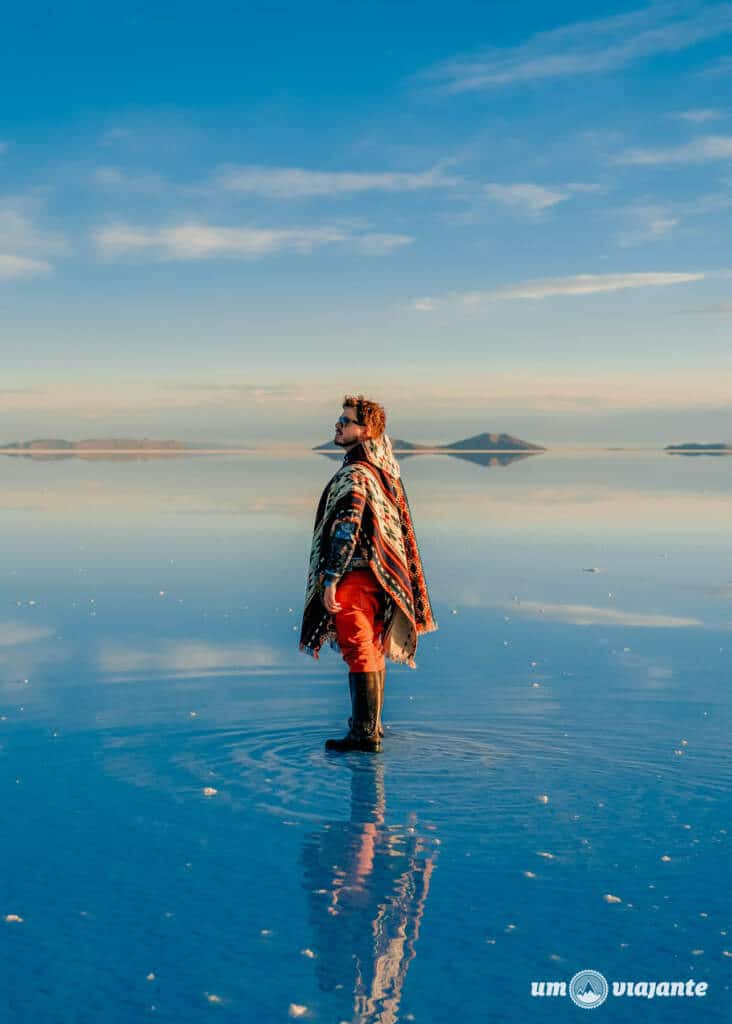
(360,622)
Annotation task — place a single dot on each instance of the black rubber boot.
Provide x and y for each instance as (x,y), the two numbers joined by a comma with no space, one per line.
(382,678)
(362,734)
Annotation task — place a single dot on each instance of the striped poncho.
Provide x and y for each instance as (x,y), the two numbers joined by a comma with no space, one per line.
(367,490)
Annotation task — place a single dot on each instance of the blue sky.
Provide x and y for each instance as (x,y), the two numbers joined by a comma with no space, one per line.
(215,221)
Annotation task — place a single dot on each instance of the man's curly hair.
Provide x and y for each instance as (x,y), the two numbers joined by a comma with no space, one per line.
(368,414)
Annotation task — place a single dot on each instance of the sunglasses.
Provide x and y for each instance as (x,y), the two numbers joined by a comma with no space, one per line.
(345,420)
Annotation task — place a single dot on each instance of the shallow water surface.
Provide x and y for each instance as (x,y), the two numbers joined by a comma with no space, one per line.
(553,794)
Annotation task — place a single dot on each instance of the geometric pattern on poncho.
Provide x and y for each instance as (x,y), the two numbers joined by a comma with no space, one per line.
(367,490)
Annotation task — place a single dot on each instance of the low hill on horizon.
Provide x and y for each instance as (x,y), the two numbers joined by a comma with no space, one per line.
(496,442)
(478,442)
(104,444)
(484,442)
(692,446)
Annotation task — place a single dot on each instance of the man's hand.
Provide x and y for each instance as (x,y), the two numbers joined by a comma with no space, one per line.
(329,599)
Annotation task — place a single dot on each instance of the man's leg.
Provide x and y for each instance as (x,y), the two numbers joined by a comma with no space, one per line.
(357,627)
(360,620)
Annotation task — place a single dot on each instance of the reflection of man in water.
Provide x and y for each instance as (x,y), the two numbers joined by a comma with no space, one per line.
(366,592)
(367,886)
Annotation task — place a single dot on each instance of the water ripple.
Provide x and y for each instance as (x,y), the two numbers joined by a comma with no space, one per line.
(284,770)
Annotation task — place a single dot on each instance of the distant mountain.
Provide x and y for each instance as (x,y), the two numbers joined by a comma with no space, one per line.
(104,444)
(721,446)
(479,442)
(396,443)
(495,442)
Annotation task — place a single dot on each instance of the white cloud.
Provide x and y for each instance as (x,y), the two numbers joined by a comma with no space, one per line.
(583,284)
(14,633)
(590,615)
(12,267)
(699,116)
(128,400)
(19,234)
(376,244)
(706,147)
(530,198)
(588,47)
(193,240)
(709,203)
(299,183)
(114,177)
(22,243)
(717,309)
(720,67)
(184,658)
(218,391)
(579,284)
(274,183)
(647,224)
(525,196)
(114,135)
(111,176)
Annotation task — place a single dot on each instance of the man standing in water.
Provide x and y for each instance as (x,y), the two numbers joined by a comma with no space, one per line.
(366,592)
